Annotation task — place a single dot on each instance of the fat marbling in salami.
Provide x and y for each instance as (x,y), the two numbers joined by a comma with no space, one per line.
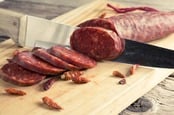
(28,61)
(16,74)
(97,43)
(72,56)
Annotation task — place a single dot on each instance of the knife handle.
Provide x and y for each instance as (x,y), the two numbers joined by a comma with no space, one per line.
(13,24)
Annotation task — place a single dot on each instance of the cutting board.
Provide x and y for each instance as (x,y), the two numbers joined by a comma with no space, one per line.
(102,95)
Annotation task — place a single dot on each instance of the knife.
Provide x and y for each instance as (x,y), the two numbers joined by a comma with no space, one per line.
(25,30)
(34,31)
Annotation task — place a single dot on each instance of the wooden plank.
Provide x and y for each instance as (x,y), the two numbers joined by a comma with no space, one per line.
(138,89)
(58,2)
(88,11)
(5,45)
(101,96)
(166,6)
(43,10)
(98,92)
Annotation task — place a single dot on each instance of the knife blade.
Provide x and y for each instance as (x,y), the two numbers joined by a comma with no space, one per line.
(24,29)
(48,31)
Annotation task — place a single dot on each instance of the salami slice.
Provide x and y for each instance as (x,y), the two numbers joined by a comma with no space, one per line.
(28,61)
(97,43)
(53,60)
(15,74)
(72,57)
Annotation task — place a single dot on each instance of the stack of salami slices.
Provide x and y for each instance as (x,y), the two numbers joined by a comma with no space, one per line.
(30,67)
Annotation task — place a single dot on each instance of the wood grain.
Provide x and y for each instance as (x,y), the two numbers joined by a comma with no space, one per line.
(166,6)
(161,95)
(43,10)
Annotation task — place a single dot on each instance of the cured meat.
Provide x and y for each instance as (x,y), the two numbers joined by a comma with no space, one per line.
(98,43)
(139,26)
(144,27)
(15,74)
(72,57)
(30,62)
(98,22)
(53,60)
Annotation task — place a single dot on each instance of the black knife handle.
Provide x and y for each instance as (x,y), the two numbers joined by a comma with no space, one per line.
(147,55)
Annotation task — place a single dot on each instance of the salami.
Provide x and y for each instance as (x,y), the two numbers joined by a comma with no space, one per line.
(144,27)
(32,63)
(15,74)
(98,43)
(139,26)
(72,57)
(98,22)
(53,60)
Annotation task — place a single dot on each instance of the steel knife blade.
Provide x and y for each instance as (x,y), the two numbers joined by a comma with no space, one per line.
(48,31)
(24,30)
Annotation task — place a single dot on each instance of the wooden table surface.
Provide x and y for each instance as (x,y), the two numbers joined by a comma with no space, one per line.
(162,96)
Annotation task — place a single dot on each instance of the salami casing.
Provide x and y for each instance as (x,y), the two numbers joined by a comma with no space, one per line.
(98,22)
(140,26)
(144,27)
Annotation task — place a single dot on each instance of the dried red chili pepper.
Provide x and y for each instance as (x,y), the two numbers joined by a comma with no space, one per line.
(122,81)
(118,74)
(133,68)
(69,74)
(15,52)
(80,80)
(102,15)
(50,103)
(48,84)
(14,91)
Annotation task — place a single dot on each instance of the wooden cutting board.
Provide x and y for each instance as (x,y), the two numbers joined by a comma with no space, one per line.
(103,95)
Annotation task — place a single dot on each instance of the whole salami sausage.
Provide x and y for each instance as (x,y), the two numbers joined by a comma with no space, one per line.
(139,26)
(15,74)
(73,57)
(53,60)
(28,61)
(98,43)
(144,27)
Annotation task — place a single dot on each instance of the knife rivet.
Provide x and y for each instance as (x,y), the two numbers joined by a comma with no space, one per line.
(14,23)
